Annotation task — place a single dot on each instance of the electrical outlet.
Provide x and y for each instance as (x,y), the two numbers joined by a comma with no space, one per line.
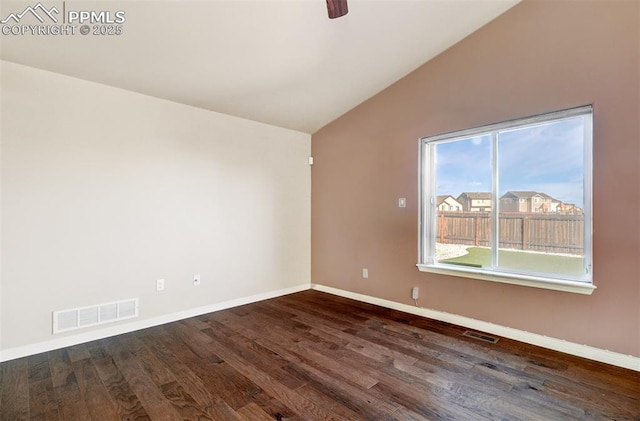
(414,293)
(402,202)
(196,279)
(365,273)
(159,284)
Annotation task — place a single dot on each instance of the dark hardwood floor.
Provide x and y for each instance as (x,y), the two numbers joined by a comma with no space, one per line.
(312,356)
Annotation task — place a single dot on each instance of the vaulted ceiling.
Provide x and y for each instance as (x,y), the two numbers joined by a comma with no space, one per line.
(281,62)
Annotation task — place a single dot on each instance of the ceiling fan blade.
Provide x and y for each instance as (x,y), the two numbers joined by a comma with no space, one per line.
(337,8)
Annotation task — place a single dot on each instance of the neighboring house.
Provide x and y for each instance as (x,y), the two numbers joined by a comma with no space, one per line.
(569,209)
(528,201)
(475,201)
(448,203)
(555,205)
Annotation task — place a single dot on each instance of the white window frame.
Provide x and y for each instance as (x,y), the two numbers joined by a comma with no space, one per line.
(428,209)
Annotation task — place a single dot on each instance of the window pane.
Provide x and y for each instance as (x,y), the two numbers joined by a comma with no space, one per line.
(541,198)
(463,202)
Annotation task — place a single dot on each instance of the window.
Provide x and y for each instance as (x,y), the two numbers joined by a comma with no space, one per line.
(546,157)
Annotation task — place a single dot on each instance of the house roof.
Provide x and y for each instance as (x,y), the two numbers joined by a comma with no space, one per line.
(283,63)
(520,194)
(546,196)
(442,198)
(476,195)
(527,195)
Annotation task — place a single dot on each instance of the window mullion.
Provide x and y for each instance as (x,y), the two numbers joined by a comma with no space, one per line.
(494,243)
(587,194)
(428,206)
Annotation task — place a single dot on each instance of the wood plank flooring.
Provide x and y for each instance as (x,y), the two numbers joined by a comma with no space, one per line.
(312,356)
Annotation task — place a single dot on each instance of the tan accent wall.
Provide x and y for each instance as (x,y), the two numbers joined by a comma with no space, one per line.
(538,57)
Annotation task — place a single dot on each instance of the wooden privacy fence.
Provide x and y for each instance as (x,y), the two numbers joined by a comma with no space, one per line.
(543,232)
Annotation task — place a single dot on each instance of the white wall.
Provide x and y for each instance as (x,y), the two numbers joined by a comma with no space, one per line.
(104,191)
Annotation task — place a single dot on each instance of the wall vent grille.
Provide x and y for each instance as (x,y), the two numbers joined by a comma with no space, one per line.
(77,318)
(480,336)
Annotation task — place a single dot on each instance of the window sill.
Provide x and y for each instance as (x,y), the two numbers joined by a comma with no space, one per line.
(528,281)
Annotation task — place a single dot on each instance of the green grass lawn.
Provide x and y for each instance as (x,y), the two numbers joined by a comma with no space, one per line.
(539,262)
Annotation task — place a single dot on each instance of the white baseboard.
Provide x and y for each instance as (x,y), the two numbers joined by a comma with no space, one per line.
(585,351)
(24,351)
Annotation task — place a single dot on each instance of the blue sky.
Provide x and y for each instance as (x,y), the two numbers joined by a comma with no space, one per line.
(545,158)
